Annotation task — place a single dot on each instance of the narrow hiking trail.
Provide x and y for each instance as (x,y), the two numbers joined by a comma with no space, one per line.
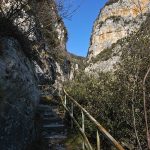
(52,131)
(52,128)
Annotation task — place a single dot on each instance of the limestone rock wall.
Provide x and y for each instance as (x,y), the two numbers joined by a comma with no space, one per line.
(18,96)
(116,20)
(45,28)
(20,74)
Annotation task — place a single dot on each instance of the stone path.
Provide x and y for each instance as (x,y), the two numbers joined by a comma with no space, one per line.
(52,131)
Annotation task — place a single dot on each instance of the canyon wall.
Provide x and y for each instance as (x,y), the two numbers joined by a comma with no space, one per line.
(117,20)
(19,96)
(32,53)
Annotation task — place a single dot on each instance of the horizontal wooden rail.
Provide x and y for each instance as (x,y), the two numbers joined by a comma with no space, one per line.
(94,121)
(80,129)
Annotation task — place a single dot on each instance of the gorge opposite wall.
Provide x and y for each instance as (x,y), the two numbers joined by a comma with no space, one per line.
(118,19)
(115,21)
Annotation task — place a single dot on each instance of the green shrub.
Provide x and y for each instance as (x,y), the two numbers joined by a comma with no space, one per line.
(116,99)
(110,2)
(103,56)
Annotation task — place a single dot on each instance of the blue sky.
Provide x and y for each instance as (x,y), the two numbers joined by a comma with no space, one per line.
(80,26)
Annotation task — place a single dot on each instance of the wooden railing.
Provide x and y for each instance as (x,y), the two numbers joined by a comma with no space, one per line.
(100,129)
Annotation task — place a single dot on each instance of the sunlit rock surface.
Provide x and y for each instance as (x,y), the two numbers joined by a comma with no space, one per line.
(117,20)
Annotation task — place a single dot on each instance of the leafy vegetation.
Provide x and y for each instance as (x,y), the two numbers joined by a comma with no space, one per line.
(44,22)
(110,2)
(116,99)
(114,18)
(105,54)
(78,60)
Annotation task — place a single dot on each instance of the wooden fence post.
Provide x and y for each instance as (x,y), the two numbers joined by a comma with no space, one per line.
(98,140)
(83,129)
(65,102)
(72,115)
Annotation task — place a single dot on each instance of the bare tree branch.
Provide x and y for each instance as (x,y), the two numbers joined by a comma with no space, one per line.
(145,107)
(133,109)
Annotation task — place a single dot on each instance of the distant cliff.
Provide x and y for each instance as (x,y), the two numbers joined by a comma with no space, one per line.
(118,19)
(115,21)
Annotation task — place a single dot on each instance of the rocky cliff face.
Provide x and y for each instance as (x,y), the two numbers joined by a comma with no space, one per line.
(118,19)
(48,34)
(23,67)
(18,96)
(56,62)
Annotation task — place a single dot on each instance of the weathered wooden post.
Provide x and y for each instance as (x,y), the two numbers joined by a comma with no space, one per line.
(83,129)
(98,140)
(65,102)
(71,115)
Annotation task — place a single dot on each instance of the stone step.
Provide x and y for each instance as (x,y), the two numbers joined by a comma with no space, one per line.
(49,114)
(54,129)
(49,118)
(53,125)
(53,133)
(46,95)
(52,120)
(44,107)
(55,137)
(56,147)
(47,133)
(46,113)
(54,107)
(42,111)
